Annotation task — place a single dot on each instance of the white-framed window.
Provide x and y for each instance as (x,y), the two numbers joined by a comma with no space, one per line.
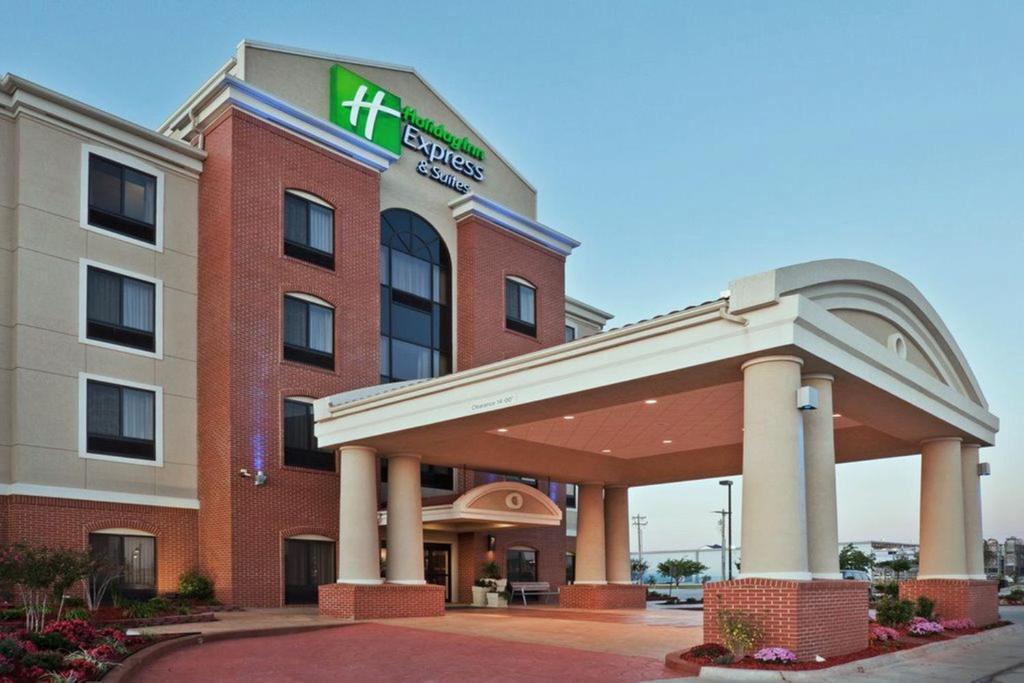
(120,310)
(308,228)
(520,306)
(122,197)
(570,332)
(119,420)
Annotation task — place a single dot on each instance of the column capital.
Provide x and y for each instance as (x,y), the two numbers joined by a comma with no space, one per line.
(824,376)
(389,456)
(772,359)
(942,439)
(357,448)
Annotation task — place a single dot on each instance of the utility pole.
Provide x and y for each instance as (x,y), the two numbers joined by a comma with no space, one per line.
(721,527)
(640,521)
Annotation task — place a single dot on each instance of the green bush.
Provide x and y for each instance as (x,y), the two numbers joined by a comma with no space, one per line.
(891,589)
(50,641)
(72,602)
(1016,595)
(194,585)
(10,649)
(138,610)
(79,613)
(894,613)
(925,607)
(48,661)
(12,614)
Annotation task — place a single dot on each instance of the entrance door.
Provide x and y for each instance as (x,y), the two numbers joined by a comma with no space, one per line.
(437,566)
(307,564)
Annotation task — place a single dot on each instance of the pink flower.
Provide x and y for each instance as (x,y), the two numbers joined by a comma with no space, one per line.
(884,633)
(957,624)
(923,627)
(778,655)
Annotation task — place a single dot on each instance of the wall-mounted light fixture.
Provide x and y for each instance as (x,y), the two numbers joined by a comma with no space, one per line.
(244,473)
(491,541)
(261,478)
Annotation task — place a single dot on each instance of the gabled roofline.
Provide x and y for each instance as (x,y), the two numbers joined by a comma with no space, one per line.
(285,49)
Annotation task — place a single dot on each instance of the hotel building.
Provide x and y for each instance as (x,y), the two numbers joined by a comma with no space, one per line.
(316,292)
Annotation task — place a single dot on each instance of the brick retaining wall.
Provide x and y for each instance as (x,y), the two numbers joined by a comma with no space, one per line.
(957,598)
(384,601)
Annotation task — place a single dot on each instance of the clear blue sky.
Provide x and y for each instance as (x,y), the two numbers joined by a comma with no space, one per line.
(685,144)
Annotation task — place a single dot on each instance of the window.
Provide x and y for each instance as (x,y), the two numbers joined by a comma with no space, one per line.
(308,331)
(308,230)
(570,568)
(300,449)
(308,564)
(521,564)
(520,306)
(120,309)
(431,476)
(415,291)
(570,495)
(122,199)
(529,481)
(122,420)
(570,333)
(133,558)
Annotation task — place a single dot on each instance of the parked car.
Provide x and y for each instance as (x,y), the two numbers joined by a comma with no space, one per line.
(860,575)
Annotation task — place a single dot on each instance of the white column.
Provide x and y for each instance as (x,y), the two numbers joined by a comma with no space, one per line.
(616,534)
(405,520)
(774,533)
(943,547)
(590,557)
(820,464)
(358,538)
(973,538)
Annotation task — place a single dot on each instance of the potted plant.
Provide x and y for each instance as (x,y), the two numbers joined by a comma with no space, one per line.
(480,588)
(491,575)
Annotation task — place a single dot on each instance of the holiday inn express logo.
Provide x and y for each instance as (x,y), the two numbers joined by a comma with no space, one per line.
(366,109)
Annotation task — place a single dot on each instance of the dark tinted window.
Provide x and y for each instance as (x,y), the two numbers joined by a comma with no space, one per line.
(120,309)
(308,231)
(520,307)
(132,559)
(415,314)
(308,332)
(300,449)
(122,199)
(120,421)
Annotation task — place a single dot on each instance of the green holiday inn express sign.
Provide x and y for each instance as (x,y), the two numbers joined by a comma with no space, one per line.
(365,109)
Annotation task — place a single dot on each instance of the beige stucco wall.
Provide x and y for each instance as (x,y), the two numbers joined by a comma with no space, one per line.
(40,350)
(880,329)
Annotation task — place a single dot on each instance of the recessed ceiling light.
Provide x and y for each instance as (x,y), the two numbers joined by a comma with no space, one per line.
(502,430)
(569,417)
(666,440)
(606,450)
(651,401)
(836,415)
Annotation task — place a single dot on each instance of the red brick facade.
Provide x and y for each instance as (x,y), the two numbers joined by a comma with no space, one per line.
(957,598)
(603,597)
(64,523)
(243,379)
(386,601)
(826,618)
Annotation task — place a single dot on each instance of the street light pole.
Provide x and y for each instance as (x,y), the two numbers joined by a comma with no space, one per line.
(640,521)
(721,526)
(728,484)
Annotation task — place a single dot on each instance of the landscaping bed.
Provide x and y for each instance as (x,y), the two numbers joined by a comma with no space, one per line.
(67,651)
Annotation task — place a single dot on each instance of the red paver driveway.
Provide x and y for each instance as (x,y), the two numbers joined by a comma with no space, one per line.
(377,652)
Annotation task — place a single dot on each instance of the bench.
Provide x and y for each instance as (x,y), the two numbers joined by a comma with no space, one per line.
(525,588)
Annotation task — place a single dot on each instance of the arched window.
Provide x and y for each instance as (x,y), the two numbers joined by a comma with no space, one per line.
(415,296)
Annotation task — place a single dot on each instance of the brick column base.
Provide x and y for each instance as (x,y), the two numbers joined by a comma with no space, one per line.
(383,601)
(975,599)
(820,617)
(610,596)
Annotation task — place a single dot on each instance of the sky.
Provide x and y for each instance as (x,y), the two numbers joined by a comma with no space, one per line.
(686,144)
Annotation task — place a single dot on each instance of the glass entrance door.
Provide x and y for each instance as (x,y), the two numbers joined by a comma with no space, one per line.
(437,566)
(307,565)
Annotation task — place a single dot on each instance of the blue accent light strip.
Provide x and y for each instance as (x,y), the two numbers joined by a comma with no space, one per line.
(539,227)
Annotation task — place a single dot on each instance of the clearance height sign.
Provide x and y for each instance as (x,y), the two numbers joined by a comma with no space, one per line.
(367,110)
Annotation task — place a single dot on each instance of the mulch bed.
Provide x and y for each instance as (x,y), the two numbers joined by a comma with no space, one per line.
(906,642)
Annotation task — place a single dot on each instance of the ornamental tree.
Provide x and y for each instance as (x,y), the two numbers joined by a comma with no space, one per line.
(677,570)
(853,558)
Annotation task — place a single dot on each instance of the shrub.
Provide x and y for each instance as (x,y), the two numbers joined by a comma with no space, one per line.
(47,661)
(894,613)
(739,633)
(1016,595)
(491,570)
(925,607)
(49,641)
(12,614)
(78,633)
(890,589)
(923,627)
(958,624)
(882,634)
(775,655)
(709,651)
(11,648)
(78,614)
(194,585)
(138,610)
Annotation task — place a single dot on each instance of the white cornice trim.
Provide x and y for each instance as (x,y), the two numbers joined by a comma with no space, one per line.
(40,490)
(586,312)
(475,205)
(18,95)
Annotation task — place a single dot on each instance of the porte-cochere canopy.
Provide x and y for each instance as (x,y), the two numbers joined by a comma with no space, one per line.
(490,506)
(662,400)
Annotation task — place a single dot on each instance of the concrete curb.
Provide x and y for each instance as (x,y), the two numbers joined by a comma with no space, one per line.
(126,671)
(861,666)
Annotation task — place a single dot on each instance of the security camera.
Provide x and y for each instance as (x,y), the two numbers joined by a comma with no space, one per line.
(244,473)
(806,398)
